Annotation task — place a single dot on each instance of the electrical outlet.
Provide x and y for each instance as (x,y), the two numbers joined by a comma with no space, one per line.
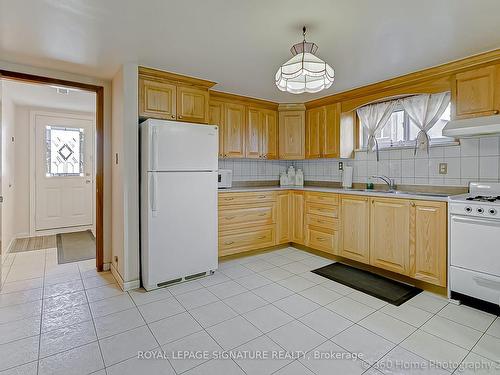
(443,168)
(341,166)
(116,259)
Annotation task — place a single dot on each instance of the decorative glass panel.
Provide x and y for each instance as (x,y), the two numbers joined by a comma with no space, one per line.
(64,151)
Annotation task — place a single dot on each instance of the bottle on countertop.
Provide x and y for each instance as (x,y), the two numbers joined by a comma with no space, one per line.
(291,175)
(284,179)
(299,178)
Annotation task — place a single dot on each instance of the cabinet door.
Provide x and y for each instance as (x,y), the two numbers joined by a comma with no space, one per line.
(428,248)
(157,99)
(192,104)
(291,135)
(315,119)
(355,222)
(283,218)
(330,144)
(234,130)
(216,117)
(298,217)
(475,93)
(390,234)
(269,139)
(253,133)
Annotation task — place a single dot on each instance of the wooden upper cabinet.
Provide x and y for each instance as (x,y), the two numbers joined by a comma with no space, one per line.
(170,96)
(315,119)
(216,117)
(476,92)
(323,132)
(390,234)
(254,133)
(428,242)
(355,224)
(330,133)
(157,99)
(291,135)
(192,104)
(234,130)
(269,139)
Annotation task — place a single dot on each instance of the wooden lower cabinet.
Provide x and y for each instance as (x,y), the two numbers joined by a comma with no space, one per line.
(428,242)
(355,224)
(297,212)
(240,240)
(390,234)
(283,217)
(408,237)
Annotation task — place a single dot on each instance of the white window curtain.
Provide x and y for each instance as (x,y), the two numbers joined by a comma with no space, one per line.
(425,111)
(373,117)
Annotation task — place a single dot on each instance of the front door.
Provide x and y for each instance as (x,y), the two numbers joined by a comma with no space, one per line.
(64,183)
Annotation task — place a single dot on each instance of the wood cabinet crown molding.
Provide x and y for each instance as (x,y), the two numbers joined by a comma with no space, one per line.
(173,77)
(245,100)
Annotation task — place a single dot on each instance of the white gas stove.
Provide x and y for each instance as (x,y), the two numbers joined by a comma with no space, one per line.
(474,243)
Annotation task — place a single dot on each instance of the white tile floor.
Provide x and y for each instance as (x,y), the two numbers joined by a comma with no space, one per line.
(68,319)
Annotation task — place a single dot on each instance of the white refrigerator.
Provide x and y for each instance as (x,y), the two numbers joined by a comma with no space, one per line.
(179,181)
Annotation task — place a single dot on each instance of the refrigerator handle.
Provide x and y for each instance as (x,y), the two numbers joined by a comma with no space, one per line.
(154,195)
(154,148)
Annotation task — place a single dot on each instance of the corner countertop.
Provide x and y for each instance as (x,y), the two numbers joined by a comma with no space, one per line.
(440,197)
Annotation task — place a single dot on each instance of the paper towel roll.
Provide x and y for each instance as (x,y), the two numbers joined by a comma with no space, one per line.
(347,177)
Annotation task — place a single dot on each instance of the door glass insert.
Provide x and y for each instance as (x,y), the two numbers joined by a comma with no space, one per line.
(64,151)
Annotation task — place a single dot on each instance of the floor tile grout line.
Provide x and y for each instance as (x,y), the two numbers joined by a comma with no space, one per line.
(471,349)
(41,317)
(93,324)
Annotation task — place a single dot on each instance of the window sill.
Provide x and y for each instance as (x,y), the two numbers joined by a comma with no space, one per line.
(406,147)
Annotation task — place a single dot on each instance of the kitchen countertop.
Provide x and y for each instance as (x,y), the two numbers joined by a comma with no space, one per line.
(373,193)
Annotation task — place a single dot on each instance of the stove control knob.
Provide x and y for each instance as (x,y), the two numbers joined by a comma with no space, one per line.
(468,209)
(492,211)
(480,210)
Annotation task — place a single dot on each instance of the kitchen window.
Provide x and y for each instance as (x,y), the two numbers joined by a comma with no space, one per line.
(400,131)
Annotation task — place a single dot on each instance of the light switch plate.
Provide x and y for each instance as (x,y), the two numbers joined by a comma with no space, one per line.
(443,168)
(341,166)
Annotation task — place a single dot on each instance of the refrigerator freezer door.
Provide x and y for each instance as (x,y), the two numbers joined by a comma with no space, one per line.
(179,146)
(179,226)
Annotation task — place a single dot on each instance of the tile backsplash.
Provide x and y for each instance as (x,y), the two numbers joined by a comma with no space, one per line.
(474,159)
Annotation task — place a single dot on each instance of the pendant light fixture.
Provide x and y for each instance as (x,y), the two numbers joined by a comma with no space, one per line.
(304,72)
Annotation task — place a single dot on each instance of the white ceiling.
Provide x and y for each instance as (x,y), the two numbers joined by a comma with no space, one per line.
(241,43)
(33,95)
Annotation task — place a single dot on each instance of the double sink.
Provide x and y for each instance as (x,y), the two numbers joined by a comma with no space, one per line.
(401,192)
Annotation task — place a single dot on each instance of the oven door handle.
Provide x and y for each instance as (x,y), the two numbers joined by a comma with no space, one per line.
(476,221)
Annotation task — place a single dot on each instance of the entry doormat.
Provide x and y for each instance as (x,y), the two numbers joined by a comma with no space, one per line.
(388,290)
(75,246)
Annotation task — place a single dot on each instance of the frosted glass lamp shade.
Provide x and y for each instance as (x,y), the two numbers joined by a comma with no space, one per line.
(304,72)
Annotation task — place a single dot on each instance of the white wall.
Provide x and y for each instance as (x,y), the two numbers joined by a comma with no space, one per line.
(107,134)
(125,174)
(9,182)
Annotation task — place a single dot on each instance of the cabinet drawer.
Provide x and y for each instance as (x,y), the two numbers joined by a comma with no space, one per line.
(322,241)
(322,221)
(226,199)
(322,210)
(248,215)
(232,242)
(324,198)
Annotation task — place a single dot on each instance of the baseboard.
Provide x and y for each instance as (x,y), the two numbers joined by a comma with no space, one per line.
(126,286)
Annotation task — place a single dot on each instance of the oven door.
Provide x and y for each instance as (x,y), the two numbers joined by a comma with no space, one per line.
(475,244)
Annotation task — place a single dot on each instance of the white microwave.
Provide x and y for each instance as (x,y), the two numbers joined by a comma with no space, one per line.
(225,178)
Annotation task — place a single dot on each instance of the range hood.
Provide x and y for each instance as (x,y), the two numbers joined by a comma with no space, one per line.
(472,127)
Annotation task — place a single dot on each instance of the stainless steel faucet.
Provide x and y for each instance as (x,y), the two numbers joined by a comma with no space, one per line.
(389,181)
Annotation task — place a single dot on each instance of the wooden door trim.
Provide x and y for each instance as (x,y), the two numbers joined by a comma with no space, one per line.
(99,146)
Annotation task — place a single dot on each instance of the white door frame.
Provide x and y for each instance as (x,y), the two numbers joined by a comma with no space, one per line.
(32,163)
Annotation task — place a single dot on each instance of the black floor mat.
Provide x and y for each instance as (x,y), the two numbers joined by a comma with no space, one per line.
(375,285)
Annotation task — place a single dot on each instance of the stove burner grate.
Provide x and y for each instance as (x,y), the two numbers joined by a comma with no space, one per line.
(483,198)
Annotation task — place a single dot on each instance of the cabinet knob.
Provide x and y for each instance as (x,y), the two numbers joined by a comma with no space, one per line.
(180,117)
(173,116)
(412,204)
